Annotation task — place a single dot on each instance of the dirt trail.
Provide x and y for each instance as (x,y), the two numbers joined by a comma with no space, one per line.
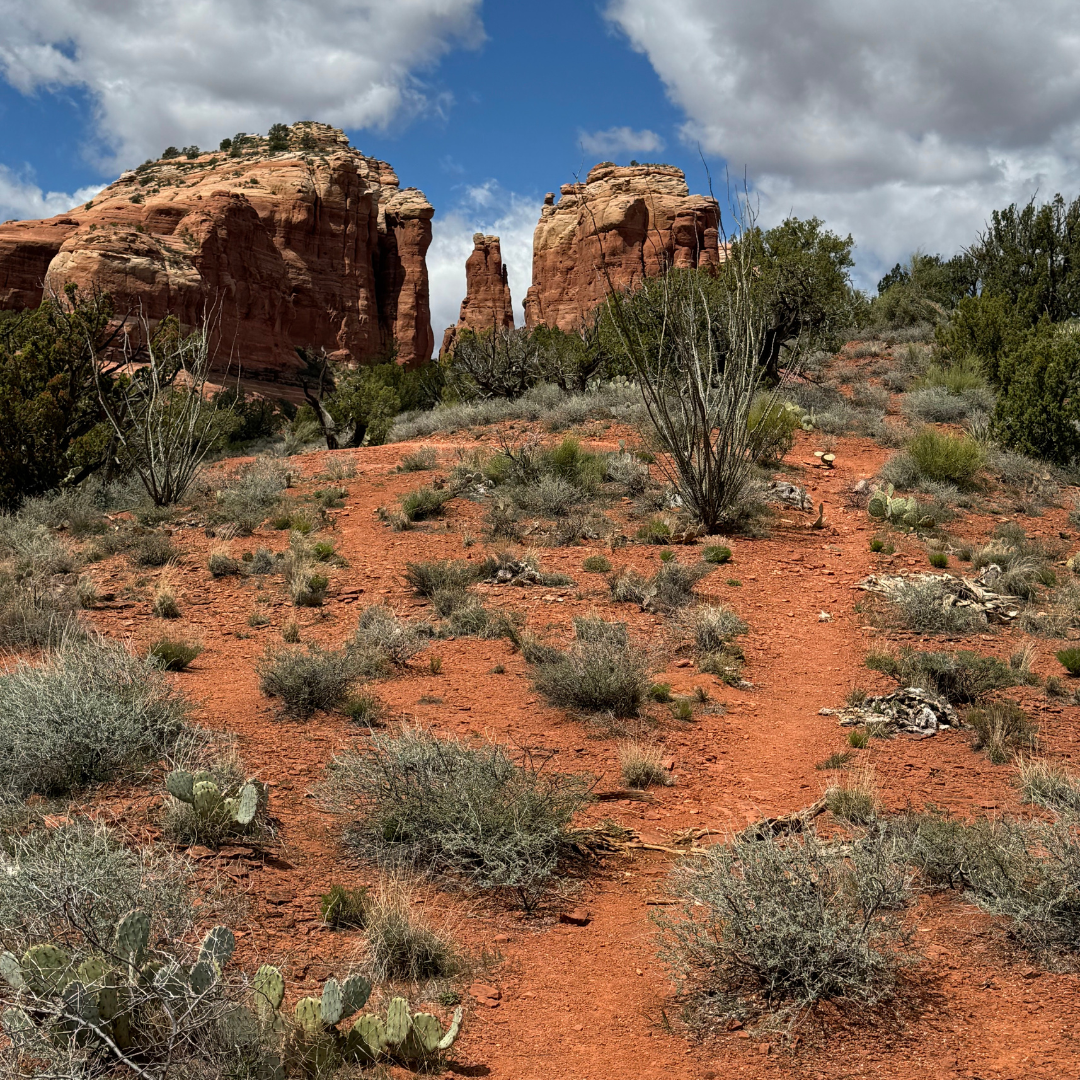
(593,1002)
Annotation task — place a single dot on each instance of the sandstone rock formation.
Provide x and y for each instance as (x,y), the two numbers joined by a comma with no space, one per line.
(313,247)
(636,221)
(487,302)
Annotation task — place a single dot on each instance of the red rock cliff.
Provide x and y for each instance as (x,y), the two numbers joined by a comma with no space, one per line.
(315,247)
(487,300)
(636,220)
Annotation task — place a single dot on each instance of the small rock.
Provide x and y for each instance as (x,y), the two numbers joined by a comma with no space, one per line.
(577,917)
(501,939)
(824,616)
(486,995)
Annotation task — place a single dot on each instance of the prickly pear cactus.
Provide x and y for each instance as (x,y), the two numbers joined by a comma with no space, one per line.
(217,946)
(367,1038)
(355,991)
(10,971)
(397,1021)
(44,969)
(180,785)
(206,798)
(309,1014)
(132,934)
(330,1004)
(269,987)
(425,1036)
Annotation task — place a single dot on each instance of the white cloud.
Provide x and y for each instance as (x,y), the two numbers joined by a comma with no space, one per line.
(21,198)
(904,123)
(620,140)
(489,209)
(162,72)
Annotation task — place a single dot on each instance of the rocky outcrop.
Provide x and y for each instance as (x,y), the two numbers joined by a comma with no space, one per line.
(623,224)
(487,302)
(311,247)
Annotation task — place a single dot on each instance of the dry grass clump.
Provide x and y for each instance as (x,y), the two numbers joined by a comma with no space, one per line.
(383,642)
(670,588)
(249,494)
(422,460)
(153,549)
(853,797)
(172,655)
(1050,784)
(961,677)
(166,604)
(222,564)
(401,943)
(306,681)
(642,765)
(927,608)
(426,577)
(304,580)
(1002,729)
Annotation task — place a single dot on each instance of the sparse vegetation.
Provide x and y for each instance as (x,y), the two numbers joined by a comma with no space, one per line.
(401,943)
(853,798)
(172,655)
(717,554)
(1002,729)
(440,806)
(1049,784)
(344,909)
(596,564)
(425,502)
(1069,659)
(642,765)
(419,461)
(306,681)
(961,677)
(383,642)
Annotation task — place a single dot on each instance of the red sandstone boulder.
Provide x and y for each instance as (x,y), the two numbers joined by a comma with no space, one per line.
(310,248)
(624,223)
(487,302)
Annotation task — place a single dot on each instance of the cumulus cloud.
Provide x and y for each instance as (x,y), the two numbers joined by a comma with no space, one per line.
(162,72)
(21,198)
(489,209)
(904,123)
(621,140)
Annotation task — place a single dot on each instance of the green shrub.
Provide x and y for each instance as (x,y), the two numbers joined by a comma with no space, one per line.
(938,560)
(717,553)
(91,711)
(654,531)
(383,642)
(425,502)
(840,760)
(877,544)
(222,565)
(1050,784)
(365,708)
(775,925)
(401,945)
(660,692)
(943,457)
(600,672)
(441,806)
(642,765)
(249,494)
(426,578)
(960,677)
(305,682)
(173,655)
(344,909)
(154,549)
(596,564)
(926,607)
(1069,660)
(422,460)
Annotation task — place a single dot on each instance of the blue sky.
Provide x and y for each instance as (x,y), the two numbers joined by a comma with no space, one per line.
(901,121)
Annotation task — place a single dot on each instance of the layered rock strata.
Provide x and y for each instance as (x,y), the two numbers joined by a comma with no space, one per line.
(313,247)
(623,224)
(487,304)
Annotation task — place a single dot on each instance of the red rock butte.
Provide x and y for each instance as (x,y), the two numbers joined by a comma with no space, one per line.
(312,247)
(625,223)
(487,302)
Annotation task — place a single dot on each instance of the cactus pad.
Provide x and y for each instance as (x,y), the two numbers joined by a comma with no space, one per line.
(368,1036)
(44,967)
(206,798)
(92,970)
(452,1032)
(217,946)
(309,1013)
(202,977)
(330,1005)
(108,1002)
(246,805)
(179,785)
(132,934)
(426,1033)
(355,991)
(397,1021)
(10,971)
(269,986)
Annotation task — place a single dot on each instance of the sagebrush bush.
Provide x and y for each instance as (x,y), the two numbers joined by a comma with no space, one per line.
(172,655)
(383,642)
(306,681)
(939,456)
(776,925)
(153,549)
(960,677)
(927,608)
(425,502)
(601,672)
(596,564)
(249,495)
(35,612)
(222,564)
(90,711)
(440,806)
(423,460)
(426,577)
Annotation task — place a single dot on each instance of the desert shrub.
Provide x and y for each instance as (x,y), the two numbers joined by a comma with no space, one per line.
(937,405)
(628,471)
(778,925)
(426,578)
(383,642)
(1069,659)
(642,765)
(717,554)
(1001,728)
(425,502)
(960,677)
(306,682)
(472,619)
(153,549)
(222,564)
(35,611)
(654,531)
(249,494)
(422,460)
(673,584)
(600,672)
(549,496)
(772,425)
(171,655)
(91,711)
(1049,784)
(365,708)
(926,608)
(940,456)
(72,884)
(401,943)
(165,604)
(712,627)
(443,807)
(839,760)
(596,564)
(305,583)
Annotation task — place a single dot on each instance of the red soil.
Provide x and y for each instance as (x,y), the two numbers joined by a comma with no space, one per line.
(594,1001)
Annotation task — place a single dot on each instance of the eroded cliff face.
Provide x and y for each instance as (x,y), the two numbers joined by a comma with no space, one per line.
(623,224)
(313,247)
(487,302)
